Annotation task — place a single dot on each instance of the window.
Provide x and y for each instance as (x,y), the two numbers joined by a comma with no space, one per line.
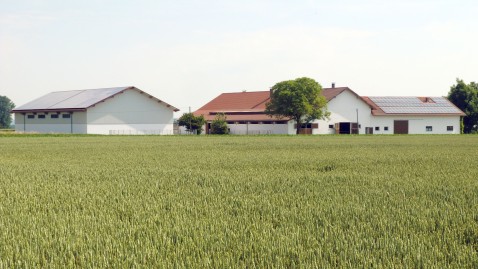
(41,116)
(331,126)
(377,128)
(31,116)
(449,128)
(65,116)
(429,128)
(54,116)
(385,128)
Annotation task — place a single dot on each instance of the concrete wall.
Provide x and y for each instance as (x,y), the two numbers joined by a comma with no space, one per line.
(75,124)
(130,113)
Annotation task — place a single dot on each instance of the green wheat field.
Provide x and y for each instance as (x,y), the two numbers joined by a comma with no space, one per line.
(238,201)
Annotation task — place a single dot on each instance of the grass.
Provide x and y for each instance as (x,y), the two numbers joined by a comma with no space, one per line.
(238,201)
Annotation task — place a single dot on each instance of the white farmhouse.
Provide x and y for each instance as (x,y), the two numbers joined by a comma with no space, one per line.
(121,110)
(349,114)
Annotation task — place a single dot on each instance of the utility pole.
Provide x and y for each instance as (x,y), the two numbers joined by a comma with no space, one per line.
(358,129)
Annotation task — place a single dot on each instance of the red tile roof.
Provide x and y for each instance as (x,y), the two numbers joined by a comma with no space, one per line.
(242,106)
(251,105)
(238,101)
(331,93)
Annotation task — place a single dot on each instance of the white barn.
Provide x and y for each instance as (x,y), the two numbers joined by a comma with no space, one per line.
(120,110)
(349,114)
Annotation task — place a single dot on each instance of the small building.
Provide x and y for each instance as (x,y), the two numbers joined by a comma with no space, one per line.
(349,114)
(412,115)
(244,113)
(120,110)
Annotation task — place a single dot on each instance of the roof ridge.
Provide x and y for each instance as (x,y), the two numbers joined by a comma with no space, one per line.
(261,102)
(244,92)
(80,91)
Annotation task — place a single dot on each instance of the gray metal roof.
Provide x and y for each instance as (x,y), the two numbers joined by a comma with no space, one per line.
(415,105)
(74,100)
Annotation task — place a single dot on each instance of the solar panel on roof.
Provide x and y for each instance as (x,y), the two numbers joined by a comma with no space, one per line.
(414,105)
(87,98)
(70,99)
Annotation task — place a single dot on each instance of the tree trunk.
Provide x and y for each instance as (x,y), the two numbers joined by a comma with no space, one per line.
(299,125)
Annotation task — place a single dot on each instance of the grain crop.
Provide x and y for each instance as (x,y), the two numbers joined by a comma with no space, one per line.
(238,201)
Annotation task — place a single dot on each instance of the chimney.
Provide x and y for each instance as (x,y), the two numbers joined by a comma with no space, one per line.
(270,92)
(333,85)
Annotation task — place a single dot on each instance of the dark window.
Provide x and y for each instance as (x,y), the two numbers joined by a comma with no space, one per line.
(377,128)
(31,116)
(54,116)
(331,126)
(266,122)
(42,116)
(429,128)
(280,122)
(385,128)
(449,128)
(65,116)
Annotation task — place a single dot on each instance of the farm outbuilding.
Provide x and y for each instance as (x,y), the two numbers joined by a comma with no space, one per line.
(349,114)
(120,110)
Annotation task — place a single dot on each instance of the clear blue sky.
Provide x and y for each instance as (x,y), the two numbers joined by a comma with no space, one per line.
(188,52)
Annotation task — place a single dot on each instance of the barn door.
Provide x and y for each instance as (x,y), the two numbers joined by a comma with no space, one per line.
(400,127)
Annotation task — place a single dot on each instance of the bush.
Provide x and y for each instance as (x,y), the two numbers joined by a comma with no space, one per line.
(219,124)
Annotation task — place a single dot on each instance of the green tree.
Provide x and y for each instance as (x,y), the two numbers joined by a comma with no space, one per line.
(465,97)
(219,124)
(6,105)
(300,100)
(192,122)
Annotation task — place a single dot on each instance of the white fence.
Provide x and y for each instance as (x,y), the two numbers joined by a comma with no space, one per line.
(141,132)
(250,132)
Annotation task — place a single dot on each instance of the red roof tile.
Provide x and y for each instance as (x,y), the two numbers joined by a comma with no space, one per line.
(248,102)
(331,93)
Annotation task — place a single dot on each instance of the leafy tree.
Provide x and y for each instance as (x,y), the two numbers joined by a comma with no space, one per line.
(192,123)
(300,100)
(465,97)
(219,124)
(6,105)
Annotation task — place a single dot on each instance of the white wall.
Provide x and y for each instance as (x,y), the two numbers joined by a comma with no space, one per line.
(130,129)
(343,108)
(75,124)
(258,128)
(130,113)
(417,124)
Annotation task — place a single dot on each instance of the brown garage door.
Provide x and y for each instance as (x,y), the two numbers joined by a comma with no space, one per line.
(400,127)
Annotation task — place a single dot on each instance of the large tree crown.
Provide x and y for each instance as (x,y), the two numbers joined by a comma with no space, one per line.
(299,99)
